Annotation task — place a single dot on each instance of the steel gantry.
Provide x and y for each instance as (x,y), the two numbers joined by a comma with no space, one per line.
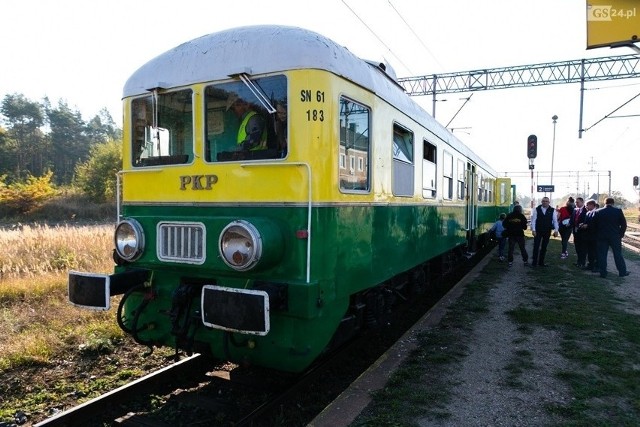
(574,71)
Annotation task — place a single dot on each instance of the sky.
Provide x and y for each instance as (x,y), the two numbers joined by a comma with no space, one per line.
(82,52)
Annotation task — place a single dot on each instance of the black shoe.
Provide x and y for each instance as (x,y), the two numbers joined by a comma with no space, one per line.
(624,274)
(543,265)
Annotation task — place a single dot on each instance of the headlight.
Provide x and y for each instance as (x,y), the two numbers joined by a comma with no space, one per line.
(129,239)
(240,245)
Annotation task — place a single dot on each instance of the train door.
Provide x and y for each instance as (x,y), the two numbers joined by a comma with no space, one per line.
(505,194)
(471,211)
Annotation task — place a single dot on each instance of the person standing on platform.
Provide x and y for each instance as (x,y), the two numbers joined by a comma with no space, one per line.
(588,234)
(543,222)
(498,229)
(514,225)
(564,219)
(610,228)
(577,218)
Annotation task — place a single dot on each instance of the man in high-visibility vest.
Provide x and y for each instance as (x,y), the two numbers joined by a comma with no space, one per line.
(252,133)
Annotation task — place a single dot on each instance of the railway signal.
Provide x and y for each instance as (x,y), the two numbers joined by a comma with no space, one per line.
(532,146)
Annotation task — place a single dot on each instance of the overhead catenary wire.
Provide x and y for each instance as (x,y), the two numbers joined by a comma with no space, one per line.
(416,35)
(377,37)
(609,115)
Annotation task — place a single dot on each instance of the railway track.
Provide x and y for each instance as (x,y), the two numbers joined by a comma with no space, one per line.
(85,413)
(631,239)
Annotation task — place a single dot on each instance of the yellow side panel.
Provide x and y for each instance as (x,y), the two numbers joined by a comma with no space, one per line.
(503,191)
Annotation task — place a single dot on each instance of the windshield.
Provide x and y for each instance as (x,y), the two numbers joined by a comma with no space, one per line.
(246,120)
(162,129)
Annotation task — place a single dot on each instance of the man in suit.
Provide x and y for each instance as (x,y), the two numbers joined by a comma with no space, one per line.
(579,234)
(610,225)
(543,221)
(588,233)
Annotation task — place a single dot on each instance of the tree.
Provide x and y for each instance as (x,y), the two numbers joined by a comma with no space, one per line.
(621,202)
(102,128)
(69,141)
(25,145)
(97,176)
(25,196)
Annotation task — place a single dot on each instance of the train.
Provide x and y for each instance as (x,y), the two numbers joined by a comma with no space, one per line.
(272,253)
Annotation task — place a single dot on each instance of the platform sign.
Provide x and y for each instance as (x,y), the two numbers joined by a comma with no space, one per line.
(612,22)
(546,188)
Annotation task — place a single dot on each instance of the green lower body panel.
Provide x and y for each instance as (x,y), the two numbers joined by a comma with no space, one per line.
(309,271)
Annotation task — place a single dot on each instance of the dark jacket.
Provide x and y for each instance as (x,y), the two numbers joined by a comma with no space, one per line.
(575,223)
(544,221)
(590,231)
(514,224)
(610,222)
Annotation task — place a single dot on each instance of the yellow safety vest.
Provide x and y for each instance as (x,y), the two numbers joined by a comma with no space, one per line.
(242,132)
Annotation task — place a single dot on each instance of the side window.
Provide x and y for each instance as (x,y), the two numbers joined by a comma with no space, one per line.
(447,174)
(162,129)
(246,120)
(354,146)
(403,168)
(429,173)
(461,179)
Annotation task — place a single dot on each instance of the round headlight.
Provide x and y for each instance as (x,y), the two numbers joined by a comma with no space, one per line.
(129,239)
(240,245)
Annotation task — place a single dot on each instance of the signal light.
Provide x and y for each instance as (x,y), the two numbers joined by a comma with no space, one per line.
(532,146)
(635,181)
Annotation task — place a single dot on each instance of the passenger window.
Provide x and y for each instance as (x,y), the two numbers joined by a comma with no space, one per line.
(354,146)
(403,170)
(246,120)
(447,167)
(461,180)
(429,175)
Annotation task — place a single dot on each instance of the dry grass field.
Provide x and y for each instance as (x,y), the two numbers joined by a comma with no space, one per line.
(54,355)
(36,322)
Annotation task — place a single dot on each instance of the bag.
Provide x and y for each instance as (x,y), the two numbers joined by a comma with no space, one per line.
(492,235)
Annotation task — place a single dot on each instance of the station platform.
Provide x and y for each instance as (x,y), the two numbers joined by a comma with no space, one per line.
(511,346)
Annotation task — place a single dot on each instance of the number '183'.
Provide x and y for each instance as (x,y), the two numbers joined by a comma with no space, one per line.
(315,115)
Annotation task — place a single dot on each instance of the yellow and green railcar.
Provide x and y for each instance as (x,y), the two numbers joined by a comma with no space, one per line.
(268,253)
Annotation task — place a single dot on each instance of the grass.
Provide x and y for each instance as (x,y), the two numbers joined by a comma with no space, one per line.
(598,338)
(50,351)
(34,314)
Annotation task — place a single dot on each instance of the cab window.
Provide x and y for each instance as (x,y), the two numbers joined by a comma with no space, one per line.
(162,128)
(246,120)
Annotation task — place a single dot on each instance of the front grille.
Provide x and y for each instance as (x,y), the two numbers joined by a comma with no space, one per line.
(181,242)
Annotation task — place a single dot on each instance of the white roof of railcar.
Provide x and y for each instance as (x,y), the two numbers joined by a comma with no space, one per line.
(269,48)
